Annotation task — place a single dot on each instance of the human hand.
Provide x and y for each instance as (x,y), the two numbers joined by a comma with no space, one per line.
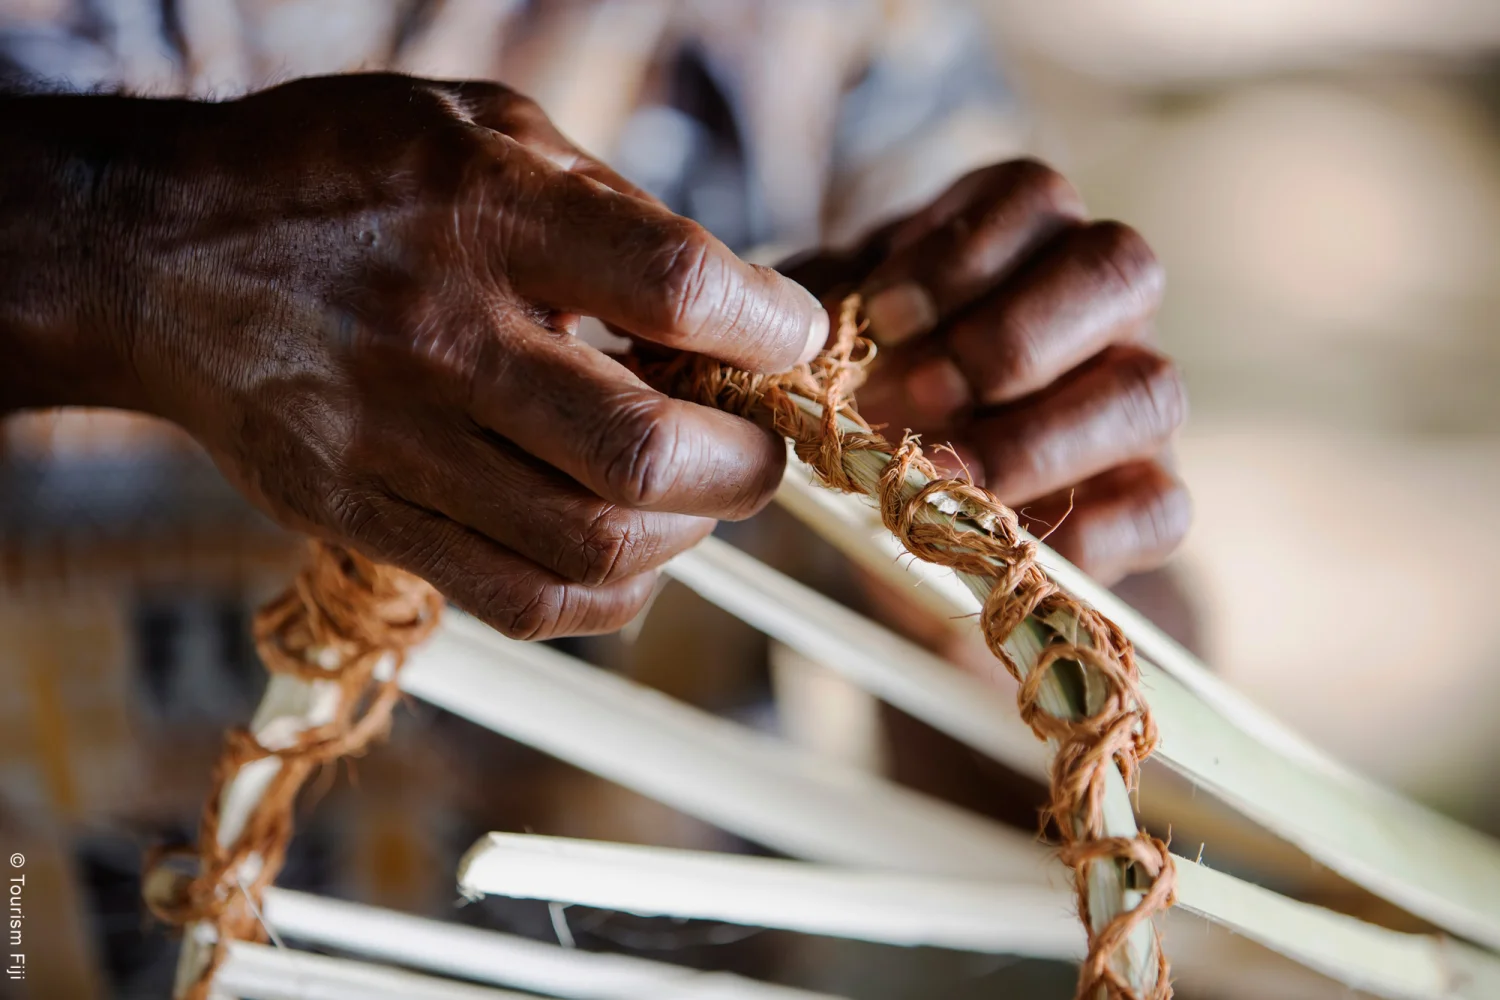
(359,294)
(1018,331)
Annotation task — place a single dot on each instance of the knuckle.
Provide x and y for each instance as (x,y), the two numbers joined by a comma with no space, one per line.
(424,550)
(422,547)
(450,100)
(372,519)
(1012,358)
(1154,395)
(1142,530)
(692,285)
(608,547)
(1070,540)
(450,347)
(517,115)
(354,512)
(1147,516)
(526,608)
(1168,513)
(1021,200)
(1015,459)
(1124,259)
(1092,542)
(637,453)
(494,362)
(1042,186)
(484,101)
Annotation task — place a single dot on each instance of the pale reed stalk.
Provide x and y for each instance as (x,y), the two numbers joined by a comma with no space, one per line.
(1111,888)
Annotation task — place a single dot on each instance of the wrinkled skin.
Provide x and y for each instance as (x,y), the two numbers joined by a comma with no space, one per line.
(359,293)
(1020,332)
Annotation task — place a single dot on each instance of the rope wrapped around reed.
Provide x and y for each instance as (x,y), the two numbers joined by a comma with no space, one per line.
(1120,733)
(341,617)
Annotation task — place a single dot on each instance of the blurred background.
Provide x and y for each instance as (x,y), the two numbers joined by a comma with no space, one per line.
(1320,180)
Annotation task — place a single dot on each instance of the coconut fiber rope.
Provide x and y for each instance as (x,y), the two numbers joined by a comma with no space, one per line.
(342,616)
(1119,733)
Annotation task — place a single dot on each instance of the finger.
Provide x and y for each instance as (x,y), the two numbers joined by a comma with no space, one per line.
(507,591)
(918,387)
(503,110)
(964,244)
(1090,287)
(581,412)
(1122,405)
(576,246)
(492,487)
(833,273)
(1125,520)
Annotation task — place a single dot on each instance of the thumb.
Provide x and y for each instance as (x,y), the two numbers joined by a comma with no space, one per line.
(584,248)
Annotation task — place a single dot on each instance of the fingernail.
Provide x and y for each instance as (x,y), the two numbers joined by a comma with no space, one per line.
(936,389)
(817,332)
(899,313)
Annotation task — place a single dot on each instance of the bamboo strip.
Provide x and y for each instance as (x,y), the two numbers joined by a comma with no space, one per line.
(746,782)
(963,914)
(470,669)
(1430,865)
(258,972)
(503,959)
(1360,955)
(853,527)
(865,653)
(885,907)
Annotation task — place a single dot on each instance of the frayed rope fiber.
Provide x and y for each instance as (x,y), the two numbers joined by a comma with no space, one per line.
(1119,734)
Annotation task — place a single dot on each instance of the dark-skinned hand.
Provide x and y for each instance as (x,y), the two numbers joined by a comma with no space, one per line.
(359,294)
(1021,332)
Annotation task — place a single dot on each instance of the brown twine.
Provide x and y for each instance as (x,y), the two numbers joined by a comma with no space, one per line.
(341,609)
(1119,733)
